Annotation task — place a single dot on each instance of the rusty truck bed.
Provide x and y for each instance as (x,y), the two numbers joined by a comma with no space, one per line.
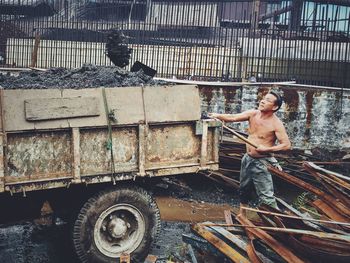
(54,138)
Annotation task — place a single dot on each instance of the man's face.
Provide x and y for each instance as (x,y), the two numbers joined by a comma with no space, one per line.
(268,103)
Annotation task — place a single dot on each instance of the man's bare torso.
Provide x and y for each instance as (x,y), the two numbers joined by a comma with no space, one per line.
(261,132)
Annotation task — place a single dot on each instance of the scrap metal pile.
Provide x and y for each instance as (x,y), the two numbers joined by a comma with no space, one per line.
(314,230)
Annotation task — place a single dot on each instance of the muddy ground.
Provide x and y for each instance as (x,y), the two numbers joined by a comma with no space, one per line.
(33,241)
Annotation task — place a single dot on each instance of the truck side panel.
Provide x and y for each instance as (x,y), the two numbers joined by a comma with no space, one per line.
(40,155)
(96,158)
(174,144)
(154,131)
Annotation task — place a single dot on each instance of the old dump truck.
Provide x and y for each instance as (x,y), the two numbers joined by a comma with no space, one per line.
(111,137)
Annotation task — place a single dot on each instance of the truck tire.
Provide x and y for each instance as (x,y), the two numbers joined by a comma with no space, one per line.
(115,221)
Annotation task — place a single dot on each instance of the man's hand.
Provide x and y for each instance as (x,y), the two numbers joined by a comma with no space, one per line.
(212,115)
(262,149)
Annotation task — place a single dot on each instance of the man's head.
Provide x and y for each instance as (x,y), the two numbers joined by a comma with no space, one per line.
(272,101)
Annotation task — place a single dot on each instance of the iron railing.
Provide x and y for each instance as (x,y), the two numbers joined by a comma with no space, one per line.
(267,40)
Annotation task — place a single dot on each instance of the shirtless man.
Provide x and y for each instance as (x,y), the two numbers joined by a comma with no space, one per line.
(264,129)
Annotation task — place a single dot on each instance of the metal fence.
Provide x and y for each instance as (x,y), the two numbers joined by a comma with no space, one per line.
(266,40)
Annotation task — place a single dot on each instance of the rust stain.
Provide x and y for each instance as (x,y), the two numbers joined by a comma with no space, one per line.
(338,96)
(37,176)
(172,209)
(229,94)
(207,92)
(38,154)
(309,101)
(291,99)
(262,91)
(155,159)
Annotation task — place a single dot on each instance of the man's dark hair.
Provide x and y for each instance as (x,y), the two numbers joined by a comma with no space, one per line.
(278,101)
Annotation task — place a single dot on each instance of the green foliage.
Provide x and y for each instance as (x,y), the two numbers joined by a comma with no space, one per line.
(301,204)
(301,200)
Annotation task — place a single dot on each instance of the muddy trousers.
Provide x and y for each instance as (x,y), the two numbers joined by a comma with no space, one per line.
(254,175)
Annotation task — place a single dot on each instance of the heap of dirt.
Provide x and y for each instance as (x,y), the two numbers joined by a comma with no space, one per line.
(88,76)
(117,49)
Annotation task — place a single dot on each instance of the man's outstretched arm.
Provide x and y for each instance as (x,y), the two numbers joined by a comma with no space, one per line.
(244,116)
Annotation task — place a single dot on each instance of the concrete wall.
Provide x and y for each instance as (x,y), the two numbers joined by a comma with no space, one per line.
(313,117)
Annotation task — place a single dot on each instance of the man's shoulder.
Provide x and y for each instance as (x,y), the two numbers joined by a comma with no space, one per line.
(252,112)
(278,122)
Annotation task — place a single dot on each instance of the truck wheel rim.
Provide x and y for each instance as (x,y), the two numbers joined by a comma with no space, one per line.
(119,229)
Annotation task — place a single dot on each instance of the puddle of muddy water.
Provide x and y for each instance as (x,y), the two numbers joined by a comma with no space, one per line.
(172,209)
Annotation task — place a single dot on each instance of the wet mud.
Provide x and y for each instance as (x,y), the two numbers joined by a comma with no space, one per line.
(25,242)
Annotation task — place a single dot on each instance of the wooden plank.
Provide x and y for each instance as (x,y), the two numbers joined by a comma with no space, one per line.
(100,120)
(339,207)
(60,108)
(280,249)
(228,217)
(329,211)
(239,242)
(295,217)
(331,174)
(224,248)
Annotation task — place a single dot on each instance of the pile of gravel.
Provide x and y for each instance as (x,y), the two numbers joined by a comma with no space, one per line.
(88,76)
